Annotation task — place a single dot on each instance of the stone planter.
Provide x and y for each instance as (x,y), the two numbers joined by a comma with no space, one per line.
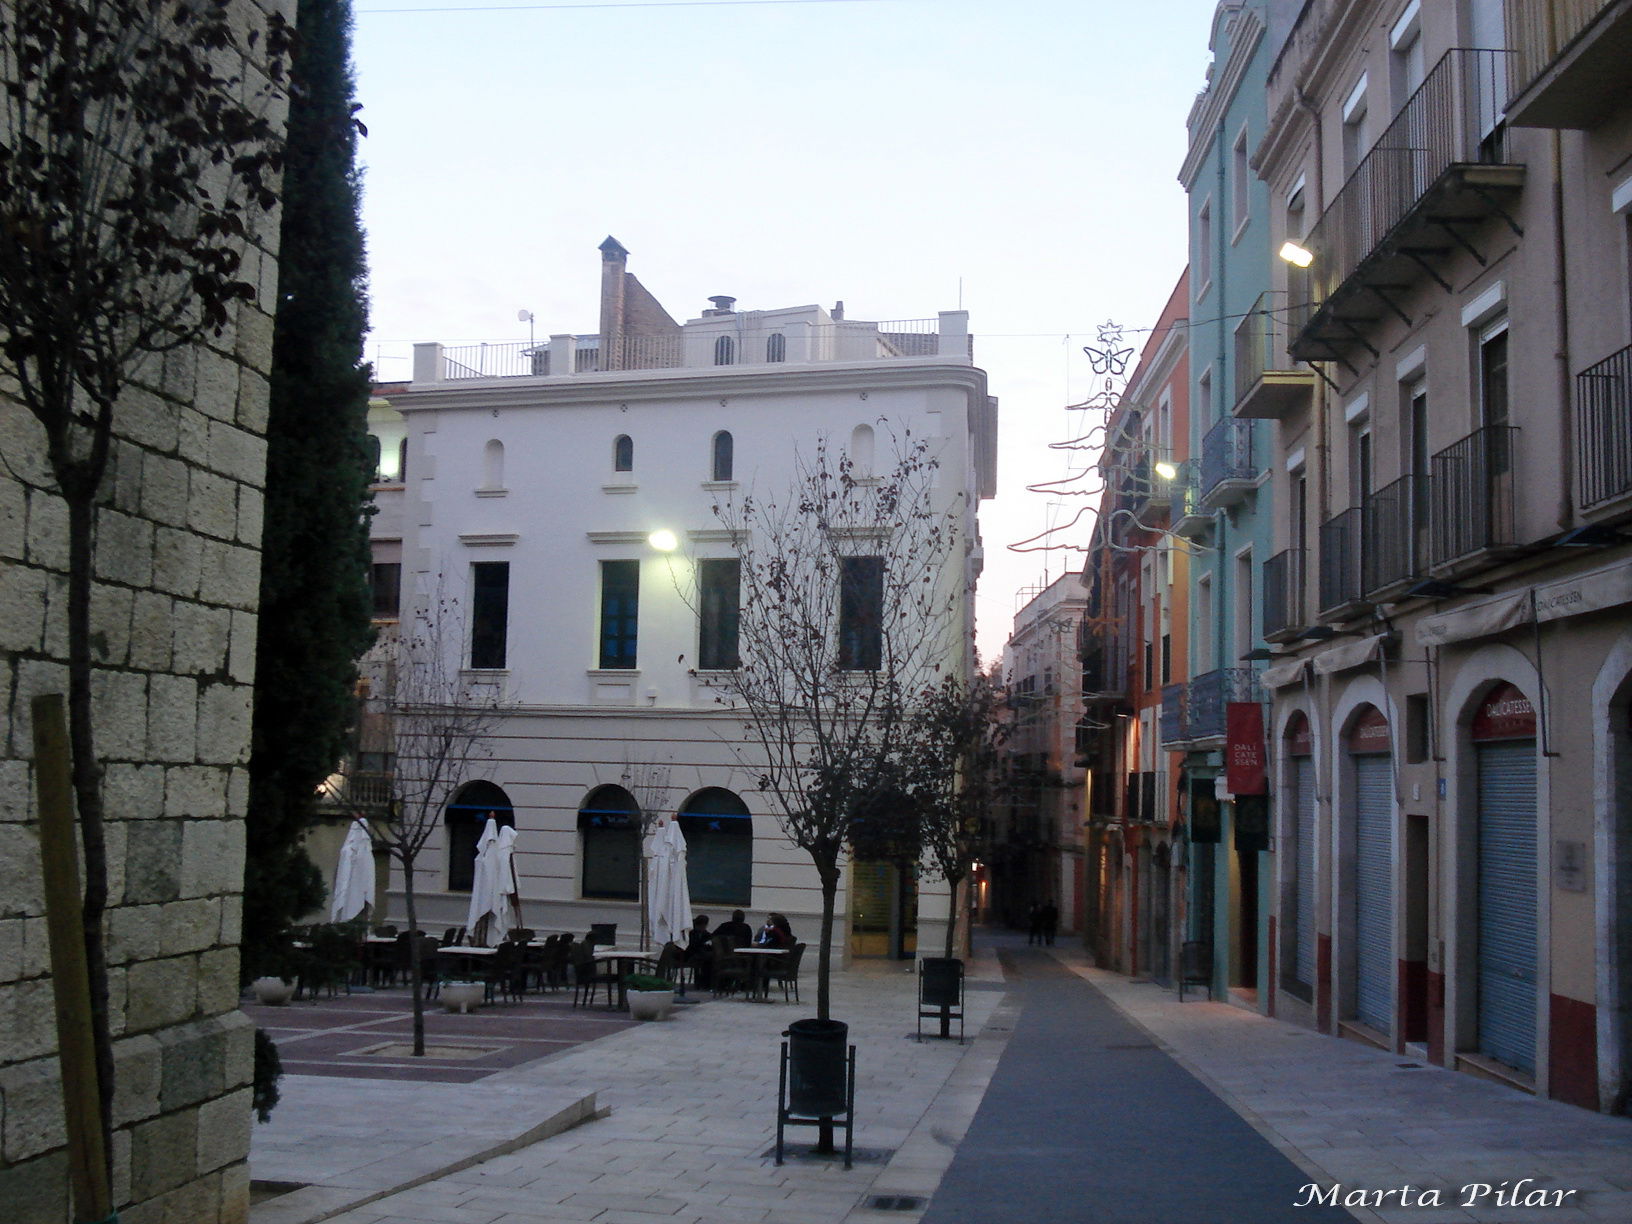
(272,991)
(650,1004)
(462,996)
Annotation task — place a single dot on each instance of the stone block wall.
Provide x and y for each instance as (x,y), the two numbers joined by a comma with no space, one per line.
(178,574)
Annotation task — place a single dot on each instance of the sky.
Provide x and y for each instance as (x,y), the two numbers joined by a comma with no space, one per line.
(1017,158)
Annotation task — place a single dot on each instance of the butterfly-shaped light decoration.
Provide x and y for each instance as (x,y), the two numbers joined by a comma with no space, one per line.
(1108,360)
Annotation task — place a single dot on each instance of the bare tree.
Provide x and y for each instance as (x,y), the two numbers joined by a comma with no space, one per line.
(951,771)
(850,589)
(138,156)
(437,721)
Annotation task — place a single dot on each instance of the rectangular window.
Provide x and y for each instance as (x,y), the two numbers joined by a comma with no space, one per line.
(1240,180)
(489,612)
(386,582)
(620,613)
(1203,258)
(1354,127)
(861,613)
(719,594)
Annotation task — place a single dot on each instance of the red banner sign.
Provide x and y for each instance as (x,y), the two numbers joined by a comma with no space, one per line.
(1505,713)
(1244,756)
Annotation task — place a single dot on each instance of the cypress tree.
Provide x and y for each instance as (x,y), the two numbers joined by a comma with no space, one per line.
(315,599)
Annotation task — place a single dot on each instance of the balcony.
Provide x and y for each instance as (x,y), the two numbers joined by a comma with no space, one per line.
(1211,692)
(1603,430)
(1433,178)
(1394,537)
(1266,387)
(1183,501)
(1569,62)
(1472,496)
(1104,673)
(1228,474)
(1175,724)
(1341,549)
(359,792)
(1284,595)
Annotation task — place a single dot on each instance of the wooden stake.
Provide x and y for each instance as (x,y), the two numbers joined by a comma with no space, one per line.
(70,982)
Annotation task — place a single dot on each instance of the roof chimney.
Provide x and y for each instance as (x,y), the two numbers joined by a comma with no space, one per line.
(838,310)
(722,306)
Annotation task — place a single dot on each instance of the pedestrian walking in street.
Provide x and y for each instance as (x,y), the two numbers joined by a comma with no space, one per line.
(1034,924)
(1050,921)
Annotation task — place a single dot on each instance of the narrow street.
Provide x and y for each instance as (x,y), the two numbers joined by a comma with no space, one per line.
(1088,1121)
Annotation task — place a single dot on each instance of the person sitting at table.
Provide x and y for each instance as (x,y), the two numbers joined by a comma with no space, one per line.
(699,953)
(776,933)
(736,931)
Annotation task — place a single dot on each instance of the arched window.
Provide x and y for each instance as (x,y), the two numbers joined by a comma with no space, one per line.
(776,347)
(623,454)
(493,465)
(725,351)
(722,456)
(463,818)
(861,451)
(719,833)
(609,829)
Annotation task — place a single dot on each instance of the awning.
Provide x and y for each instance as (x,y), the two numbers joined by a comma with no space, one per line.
(1480,620)
(1590,592)
(1283,674)
(1351,654)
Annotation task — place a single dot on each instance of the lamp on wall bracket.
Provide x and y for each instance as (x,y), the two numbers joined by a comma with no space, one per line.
(1296,254)
(1257,654)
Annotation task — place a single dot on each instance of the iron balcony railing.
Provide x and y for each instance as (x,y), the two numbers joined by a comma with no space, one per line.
(1394,533)
(1538,32)
(1453,119)
(1212,691)
(1603,429)
(1472,494)
(1226,455)
(1341,549)
(1260,342)
(1283,591)
(1175,713)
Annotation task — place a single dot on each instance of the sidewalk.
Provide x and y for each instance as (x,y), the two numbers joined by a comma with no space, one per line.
(1369,1120)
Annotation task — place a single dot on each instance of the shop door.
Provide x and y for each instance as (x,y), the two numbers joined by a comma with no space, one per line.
(1507,902)
(1374,891)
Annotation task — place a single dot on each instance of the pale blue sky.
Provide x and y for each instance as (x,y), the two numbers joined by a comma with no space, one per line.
(875,151)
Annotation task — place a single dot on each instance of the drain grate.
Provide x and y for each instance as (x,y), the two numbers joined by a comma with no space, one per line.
(895,1202)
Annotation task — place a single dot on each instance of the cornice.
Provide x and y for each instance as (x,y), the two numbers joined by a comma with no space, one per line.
(1246,33)
(622,387)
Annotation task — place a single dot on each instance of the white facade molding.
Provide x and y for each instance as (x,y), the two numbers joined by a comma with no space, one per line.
(1409,366)
(1486,306)
(1620,200)
(488,539)
(1357,409)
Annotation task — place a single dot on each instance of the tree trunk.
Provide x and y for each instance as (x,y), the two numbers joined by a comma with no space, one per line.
(87,776)
(416,978)
(827,871)
(952,885)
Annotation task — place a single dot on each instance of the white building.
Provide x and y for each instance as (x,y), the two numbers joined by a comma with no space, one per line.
(531,481)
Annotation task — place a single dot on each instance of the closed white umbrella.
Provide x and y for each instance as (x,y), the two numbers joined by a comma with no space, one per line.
(668,895)
(491,885)
(353,875)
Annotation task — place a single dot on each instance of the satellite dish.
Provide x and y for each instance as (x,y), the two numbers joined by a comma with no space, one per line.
(524,316)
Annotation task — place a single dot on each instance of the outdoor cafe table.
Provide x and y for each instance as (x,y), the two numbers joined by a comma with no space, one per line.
(760,986)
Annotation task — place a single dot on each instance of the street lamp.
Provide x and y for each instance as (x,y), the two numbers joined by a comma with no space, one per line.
(663,540)
(1297,255)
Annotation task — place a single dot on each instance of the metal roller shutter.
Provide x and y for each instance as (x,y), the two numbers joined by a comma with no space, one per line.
(1304,966)
(1374,891)
(1507,902)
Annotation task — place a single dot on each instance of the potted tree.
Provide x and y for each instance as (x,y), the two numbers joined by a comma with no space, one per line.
(649,997)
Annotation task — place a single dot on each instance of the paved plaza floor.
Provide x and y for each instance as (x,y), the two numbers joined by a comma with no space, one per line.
(1080,1096)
